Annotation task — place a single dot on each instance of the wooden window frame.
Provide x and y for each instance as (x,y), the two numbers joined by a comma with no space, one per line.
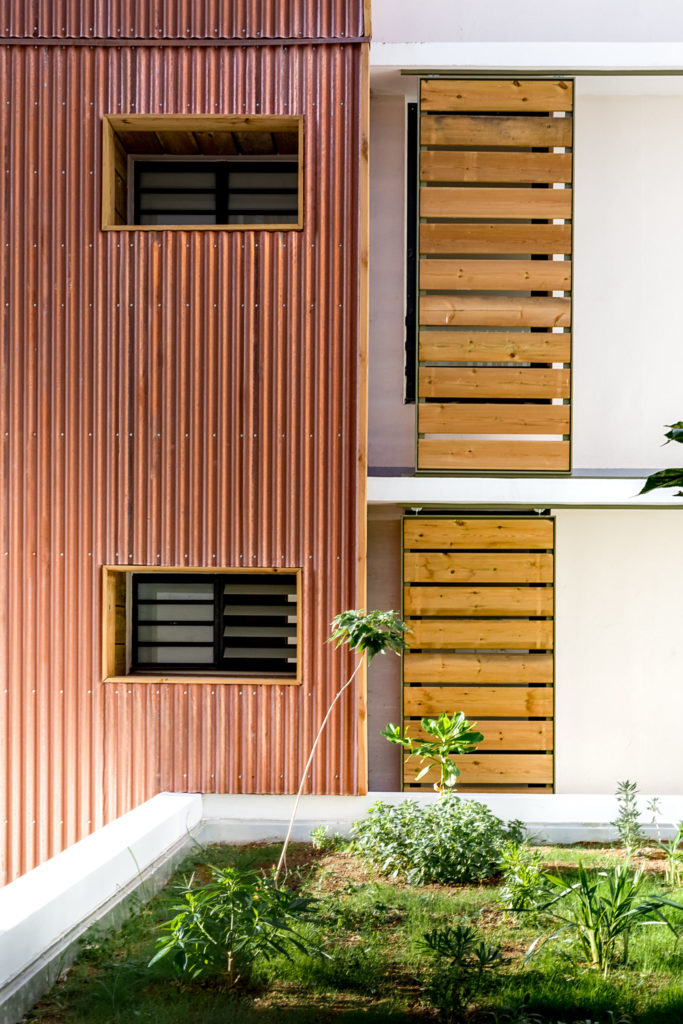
(114,153)
(116,627)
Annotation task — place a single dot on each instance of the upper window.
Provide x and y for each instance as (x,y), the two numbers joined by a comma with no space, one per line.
(234,624)
(212,171)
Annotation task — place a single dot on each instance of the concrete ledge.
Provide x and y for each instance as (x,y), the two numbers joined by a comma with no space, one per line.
(43,913)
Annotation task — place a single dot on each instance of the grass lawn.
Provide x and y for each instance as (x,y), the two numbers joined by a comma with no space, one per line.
(376,968)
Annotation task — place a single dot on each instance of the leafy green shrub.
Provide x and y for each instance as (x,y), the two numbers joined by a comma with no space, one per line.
(462,962)
(627,821)
(219,929)
(448,841)
(523,878)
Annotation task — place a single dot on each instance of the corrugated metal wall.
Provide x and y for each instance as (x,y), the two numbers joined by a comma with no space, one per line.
(170,398)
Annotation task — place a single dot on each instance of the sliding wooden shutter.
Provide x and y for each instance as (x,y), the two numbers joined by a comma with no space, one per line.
(494,275)
(478,599)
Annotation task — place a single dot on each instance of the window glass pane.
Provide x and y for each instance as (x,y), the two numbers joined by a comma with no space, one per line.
(175,655)
(263,218)
(194,612)
(175,590)
(262,201)
(172,178)
(176,634)
(264,179)
(177,201)
(177,218)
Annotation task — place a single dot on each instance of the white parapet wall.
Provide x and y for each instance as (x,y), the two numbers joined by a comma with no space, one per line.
(44,913)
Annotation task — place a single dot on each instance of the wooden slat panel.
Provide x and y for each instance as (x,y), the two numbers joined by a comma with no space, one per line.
(505,456)
(494,346)
(493,311)
(500,735)
(496,239)
(446,165)
(496,275)
(446,130)
(470,534)
(475,768)
(513,203)
(480,634)
(479,701)
(477,567)
(492,382)
(506,95)
(459,418)
(477,668)
(474,601)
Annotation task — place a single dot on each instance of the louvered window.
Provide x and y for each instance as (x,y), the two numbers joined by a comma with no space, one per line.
(241,624)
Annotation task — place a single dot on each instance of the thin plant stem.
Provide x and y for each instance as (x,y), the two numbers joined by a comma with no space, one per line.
(283,856)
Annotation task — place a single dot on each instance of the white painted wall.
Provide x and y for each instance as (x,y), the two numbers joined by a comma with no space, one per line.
(628,283)
(526,20)
(619,650)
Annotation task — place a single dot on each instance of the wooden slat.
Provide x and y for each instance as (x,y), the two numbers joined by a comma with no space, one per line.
(476,768)
(493,382)
(500,735)
(464,534)
(508,95)
(497,275)
(462,418)
(473,601)
(477,567)
(503,456)
(493,346)
(479,701)
(448,165)
(513,203)
(485,310)
(495,239)
(486,130)
(481,634)
(477,668)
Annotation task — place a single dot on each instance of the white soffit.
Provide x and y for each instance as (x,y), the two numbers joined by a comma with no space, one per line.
(544,492)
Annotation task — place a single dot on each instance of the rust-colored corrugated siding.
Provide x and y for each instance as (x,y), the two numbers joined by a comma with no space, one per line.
(183,19)
(169,398)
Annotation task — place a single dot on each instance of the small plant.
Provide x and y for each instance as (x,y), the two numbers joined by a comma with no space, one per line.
(524,885)
(667,477)
(599,910)
(673,851)
(219,929)
(448,841)
(463,960)
(324,842)
(627,821)
(453,734)
(370,633)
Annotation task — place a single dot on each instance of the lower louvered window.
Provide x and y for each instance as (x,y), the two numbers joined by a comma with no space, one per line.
(240,625)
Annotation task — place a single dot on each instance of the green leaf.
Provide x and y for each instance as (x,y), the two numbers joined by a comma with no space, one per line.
(663,478)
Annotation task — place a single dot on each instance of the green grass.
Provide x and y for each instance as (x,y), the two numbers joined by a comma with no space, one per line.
(375,968)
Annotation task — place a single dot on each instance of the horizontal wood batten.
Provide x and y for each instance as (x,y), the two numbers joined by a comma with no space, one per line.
(497,275)
(501,734)
(513,203)
(488,130)
(526,456)
(492,382)
(468,534)
(442,668)
(512,634)
(461,418)
(509,95)
(477,567)
(493,311)
(515,601)
(445,165)
(512,768)
(495,239)
(480,701)
(493,346)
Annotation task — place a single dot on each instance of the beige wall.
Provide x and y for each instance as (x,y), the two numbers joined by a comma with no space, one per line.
(619,650)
